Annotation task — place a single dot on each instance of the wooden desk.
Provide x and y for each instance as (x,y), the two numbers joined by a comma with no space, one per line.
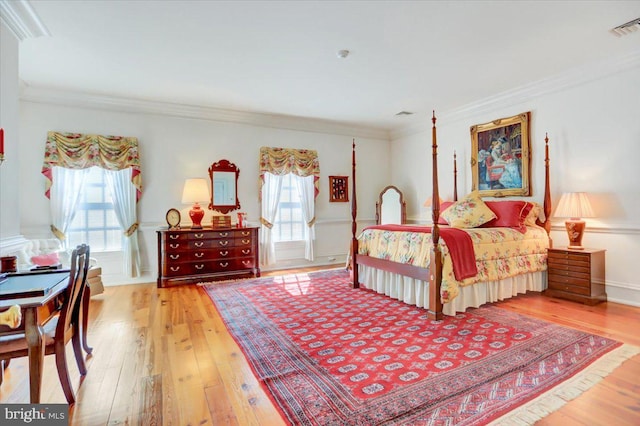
(37,295)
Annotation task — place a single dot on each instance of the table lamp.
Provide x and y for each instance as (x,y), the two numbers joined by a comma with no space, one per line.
(575,206)
(195,190)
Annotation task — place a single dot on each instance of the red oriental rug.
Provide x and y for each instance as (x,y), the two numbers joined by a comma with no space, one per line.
(328,354)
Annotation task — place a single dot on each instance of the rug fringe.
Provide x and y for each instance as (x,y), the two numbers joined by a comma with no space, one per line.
(556,398)
(203,283)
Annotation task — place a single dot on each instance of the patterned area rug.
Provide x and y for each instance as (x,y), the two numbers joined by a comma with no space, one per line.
(328,354)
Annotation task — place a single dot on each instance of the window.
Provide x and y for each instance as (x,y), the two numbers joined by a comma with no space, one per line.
(95,221)
(289,223)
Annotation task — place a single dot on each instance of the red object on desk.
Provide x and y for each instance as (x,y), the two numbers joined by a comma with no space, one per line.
(1,140)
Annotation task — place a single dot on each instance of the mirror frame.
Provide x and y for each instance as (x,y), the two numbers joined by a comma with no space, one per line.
(403,205)
(223,166)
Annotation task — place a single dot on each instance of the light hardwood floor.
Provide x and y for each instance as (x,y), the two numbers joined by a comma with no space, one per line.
(164,357)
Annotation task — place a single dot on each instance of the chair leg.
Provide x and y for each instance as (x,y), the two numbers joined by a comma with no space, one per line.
(63,372)
(77,351)
(85,319)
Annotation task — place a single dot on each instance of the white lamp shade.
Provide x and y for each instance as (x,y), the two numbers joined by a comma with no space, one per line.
(574,205)
(195,190)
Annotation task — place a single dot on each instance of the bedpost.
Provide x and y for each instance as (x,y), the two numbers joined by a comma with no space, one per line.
(354,214)
(435,267)
(547,192)
(455,177)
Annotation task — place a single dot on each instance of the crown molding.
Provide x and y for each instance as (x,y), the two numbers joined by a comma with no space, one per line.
(22,20)
(574,77)
(87,100)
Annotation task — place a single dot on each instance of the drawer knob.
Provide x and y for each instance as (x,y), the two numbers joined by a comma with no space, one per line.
(199,267)
(224,253)
(224,264)
(174,256)
(246,262)
(246,241)
(174,237)
(199,255)
(224,243)
(198,235)
(245,233)
(199,243)
(246,251)
(174,268)
(224,234)
(174,246)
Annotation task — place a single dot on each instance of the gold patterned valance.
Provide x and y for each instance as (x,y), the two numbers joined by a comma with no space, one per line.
(281,161)
(78,151)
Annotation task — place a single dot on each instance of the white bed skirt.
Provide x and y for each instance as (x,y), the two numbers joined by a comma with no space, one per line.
(416,292)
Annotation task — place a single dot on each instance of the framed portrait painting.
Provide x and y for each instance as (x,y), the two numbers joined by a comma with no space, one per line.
(500,159)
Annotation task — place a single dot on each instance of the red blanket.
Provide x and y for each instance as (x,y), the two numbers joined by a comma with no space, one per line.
(458,242)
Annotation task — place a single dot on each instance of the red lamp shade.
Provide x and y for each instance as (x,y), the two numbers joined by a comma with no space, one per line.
(195,190)
(574,206)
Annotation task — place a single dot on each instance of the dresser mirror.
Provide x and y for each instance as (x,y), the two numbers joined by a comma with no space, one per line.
(391,207)
(224,186)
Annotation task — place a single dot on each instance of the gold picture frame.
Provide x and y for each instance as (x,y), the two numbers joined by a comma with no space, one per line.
(500,157)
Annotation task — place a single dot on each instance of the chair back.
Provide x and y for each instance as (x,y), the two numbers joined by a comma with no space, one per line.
(70,310)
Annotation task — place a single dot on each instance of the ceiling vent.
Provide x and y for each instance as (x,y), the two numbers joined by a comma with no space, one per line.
(404,113)
(628,28)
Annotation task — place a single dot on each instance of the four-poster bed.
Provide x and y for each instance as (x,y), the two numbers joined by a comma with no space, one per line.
(430,266)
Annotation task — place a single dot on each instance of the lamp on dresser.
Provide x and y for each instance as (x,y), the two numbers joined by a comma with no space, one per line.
(574,206)
(195,191)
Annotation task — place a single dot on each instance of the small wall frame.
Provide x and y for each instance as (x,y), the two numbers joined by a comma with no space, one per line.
(338,189)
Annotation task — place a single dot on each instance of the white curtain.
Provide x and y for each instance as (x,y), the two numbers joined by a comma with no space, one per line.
(65,194)
(307,202)
(270,198)
(123,195)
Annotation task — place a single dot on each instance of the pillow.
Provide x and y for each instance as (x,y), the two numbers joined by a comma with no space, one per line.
(50,259)
(469,212)
(509,214)
(533,215)
(444,206)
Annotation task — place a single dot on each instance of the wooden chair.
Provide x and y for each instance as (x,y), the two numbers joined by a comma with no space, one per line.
(64,326)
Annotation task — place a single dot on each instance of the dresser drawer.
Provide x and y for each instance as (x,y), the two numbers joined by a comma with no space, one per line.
(220,253)
(576,275)
(576,282)
(175,237)
(564,286)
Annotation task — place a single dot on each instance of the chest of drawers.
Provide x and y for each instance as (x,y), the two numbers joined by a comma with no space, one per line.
(188,256)
(576,275)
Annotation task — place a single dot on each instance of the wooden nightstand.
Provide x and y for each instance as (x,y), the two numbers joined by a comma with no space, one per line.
(576,275)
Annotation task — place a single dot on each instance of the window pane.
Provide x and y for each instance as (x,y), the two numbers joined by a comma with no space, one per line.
(111,221)
(80,220)
(114,239)
(288,224)
(93,194)
(95,221)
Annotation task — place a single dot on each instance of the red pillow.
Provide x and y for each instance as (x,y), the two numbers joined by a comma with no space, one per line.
(443,206)
(510,214)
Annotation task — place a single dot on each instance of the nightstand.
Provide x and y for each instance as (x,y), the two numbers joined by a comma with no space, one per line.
(577,275)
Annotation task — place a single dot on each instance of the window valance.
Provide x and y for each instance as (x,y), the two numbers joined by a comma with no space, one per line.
(281,161)
(79,151)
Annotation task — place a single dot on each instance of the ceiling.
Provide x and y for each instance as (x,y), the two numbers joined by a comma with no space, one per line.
(280,57)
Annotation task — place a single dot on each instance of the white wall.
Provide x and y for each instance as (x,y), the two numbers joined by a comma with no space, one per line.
(174,148)
(9,91)
(594,144)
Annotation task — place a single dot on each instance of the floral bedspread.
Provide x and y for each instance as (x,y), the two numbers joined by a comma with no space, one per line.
(499,252)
